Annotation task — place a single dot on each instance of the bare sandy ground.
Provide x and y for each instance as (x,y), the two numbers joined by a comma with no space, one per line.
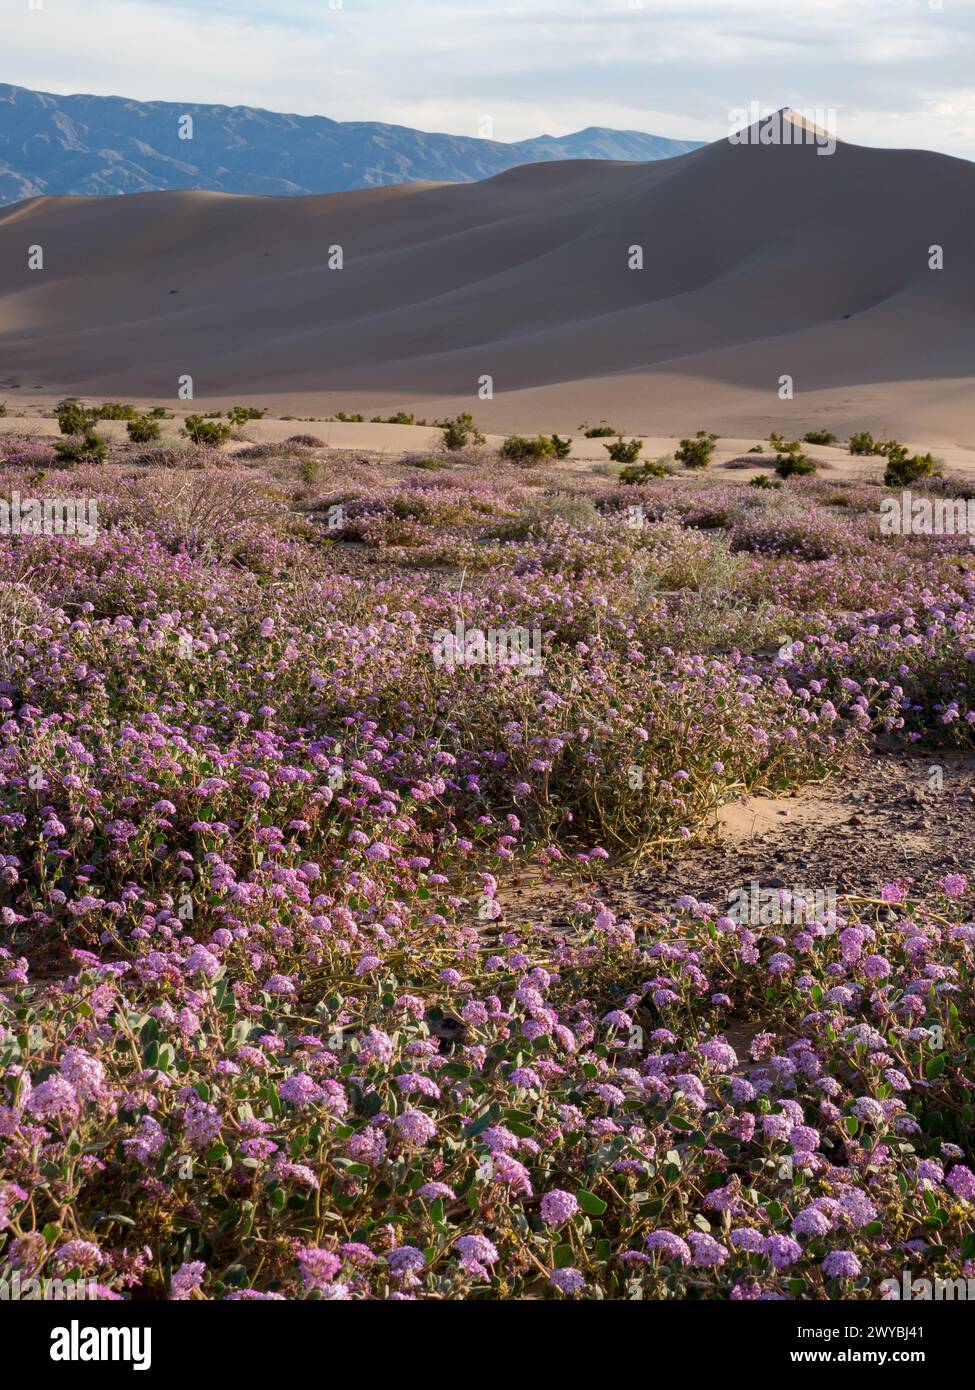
(759,262)
(879,822)
(35,416)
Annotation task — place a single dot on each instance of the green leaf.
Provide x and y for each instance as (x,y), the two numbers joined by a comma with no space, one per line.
(483,1122)
(564,1256)
(590,1203)
(522,1130)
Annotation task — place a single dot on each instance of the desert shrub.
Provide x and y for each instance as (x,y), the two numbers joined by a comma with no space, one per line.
(696,452)
(903,469)
(159,412)
(460,431)
(142,430)
(421,461)
(240,415)
(794,465)
(81,448)
(785,446)
(764,481)
(892,450)
(623,452)
(310,469)
(538,517)
(517,449)
(863,443)
(170,456)
(744,461)
(756,449)
(819,437)
(201,431)
(114,410)
(73,418)
(3,408)
(270,449)
(562,447)
(602,431)
(642,472)
(305,441)
(402,417)
(348,419)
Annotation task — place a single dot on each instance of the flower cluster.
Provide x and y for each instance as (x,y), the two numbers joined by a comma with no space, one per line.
(269,1026)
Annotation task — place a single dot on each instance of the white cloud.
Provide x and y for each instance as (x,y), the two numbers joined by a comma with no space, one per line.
(896,71)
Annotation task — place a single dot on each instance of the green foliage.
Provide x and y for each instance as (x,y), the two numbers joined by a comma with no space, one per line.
(517,449)
(764,481)
(819,437)
(402,417)
(240,415)
(602,431)
(623,452)
(794,465)
(902,470)
(460,431)
(642,472)
(83,448)
(113,410)
(562,447)
(696,452)
(785,446)
(142,430)
(863,443)
(201,431)
(73,418)
(159,412)
(3,408)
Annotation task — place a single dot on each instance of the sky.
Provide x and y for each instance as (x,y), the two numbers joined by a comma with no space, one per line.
(895,72)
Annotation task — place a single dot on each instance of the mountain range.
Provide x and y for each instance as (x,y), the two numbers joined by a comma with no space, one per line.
(102,145)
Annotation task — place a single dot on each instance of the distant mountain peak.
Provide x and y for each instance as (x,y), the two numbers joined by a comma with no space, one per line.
(95,145)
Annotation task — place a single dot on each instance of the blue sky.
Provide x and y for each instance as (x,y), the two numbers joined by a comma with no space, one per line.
(896,72)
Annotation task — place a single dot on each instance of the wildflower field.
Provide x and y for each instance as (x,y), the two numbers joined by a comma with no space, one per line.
(268,1027)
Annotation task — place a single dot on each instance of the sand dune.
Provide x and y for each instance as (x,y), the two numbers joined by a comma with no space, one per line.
(759,261)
